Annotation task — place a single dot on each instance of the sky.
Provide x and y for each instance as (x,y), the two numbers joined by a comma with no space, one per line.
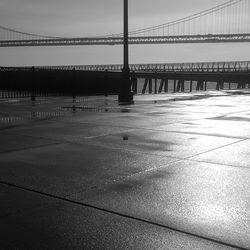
(79,18)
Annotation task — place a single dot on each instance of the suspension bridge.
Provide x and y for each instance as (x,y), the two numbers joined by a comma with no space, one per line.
(227,22)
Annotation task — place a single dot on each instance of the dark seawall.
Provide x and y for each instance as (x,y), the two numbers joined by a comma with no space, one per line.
(61,81)
(41,81)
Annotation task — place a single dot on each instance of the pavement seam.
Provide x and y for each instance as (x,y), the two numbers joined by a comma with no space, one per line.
(122,215)
(226,145)
(110,125)
(66,140)
(232,113)
(28,148)
(85,142)
(124,178)
(26,123)
(218,163)
(93,143)
(129,129)
(214,135)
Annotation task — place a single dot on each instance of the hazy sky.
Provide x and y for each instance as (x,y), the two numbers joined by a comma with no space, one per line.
(65,18)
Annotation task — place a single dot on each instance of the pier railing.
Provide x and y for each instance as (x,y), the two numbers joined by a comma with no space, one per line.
(106,79)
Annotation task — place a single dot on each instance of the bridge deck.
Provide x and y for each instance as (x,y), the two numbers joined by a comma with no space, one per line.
(209,38)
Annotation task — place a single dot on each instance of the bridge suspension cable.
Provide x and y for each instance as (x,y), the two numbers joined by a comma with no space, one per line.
(226,22)
(221,19)
(12,34)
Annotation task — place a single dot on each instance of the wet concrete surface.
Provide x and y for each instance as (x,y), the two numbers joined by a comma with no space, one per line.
(170,172)
(43,222)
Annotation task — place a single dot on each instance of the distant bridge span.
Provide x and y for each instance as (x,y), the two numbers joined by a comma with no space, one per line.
(228,22)
(210,38)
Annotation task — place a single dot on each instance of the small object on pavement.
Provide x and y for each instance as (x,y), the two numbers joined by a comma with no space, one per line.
(125,137)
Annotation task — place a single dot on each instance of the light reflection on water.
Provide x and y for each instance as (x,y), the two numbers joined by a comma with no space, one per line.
(89,108)
(209,195)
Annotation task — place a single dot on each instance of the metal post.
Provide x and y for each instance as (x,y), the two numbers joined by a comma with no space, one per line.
(125,38)
(125,95)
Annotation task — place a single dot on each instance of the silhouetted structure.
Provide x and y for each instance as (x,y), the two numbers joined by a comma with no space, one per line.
(125,95)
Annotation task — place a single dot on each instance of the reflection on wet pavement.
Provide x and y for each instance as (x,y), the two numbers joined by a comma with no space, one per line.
(175,163)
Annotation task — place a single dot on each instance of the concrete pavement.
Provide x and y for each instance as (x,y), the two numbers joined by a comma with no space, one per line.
(170,172)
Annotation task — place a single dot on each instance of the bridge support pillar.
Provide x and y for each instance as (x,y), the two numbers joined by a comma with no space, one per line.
(218,86)
(155,90)
(145,86)
(183,86)
(174,85)
(200,85)
(166,86)
(222,85)
(197,86)
(180,86)
(164,83)
(150,87)
(147,83)
(161,86)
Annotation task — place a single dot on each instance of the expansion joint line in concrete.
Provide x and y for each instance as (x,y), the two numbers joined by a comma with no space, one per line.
(29,148)
(226,145)
(122,215)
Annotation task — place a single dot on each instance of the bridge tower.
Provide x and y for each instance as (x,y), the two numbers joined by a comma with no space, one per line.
(125,95)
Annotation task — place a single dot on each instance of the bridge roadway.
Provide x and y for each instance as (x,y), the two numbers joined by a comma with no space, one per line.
(114,40)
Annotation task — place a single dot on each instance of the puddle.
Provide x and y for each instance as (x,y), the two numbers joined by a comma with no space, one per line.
(97,109)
